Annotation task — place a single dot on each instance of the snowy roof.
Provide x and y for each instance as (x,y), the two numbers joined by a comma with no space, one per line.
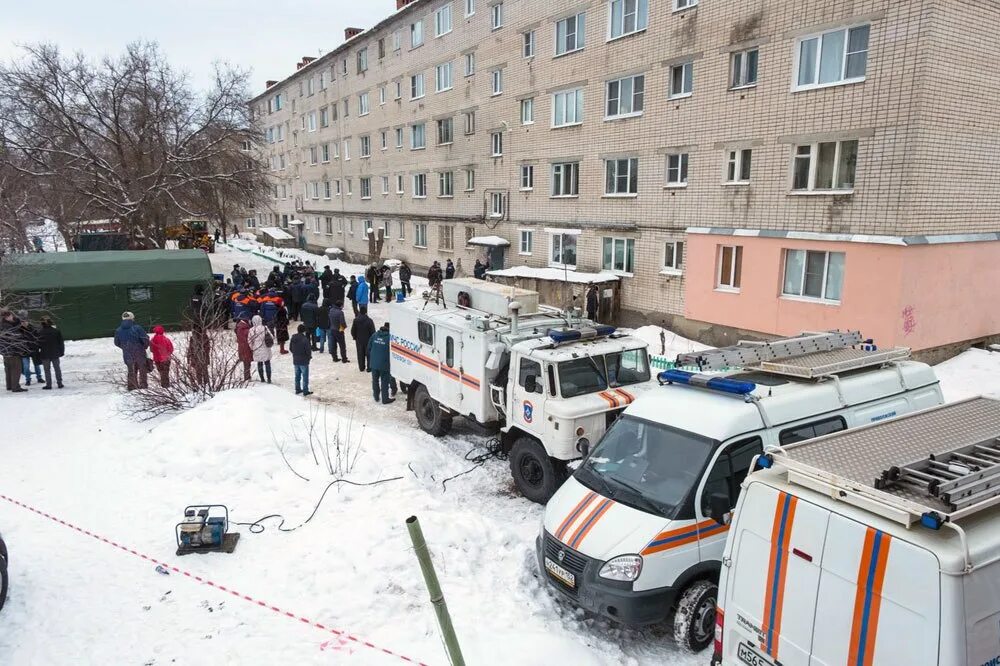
(489,241)
(276,233)
(554,274)
(296,222)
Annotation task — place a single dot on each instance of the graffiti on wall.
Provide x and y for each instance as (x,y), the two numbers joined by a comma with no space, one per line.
(909,320)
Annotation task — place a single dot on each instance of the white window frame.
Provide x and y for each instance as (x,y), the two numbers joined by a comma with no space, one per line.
(735,269)
(736,159)
(399,137)
(628,266)
(450,124)
(676,253)
(470,7)
(578,107)
(561,235)
(739,69)
(681,5)
(612,173)
(527,177)
(400,184)
(414,133)
(312,121)
(820,37)
(801,295)
(340,225)
(496,144)
(325,153)
(579,34)
(385,184)
(420,234)
(327,190)
(402,230)
(470,180)
(470,64)
(682,170)
(446,237)
(526,242)
(639,9)
(416,33)
(363,106)
(496,82)
(363,60)
(419,182)
(814,162)
(397,40)
(442,21)
(687,80)
(496,16)
(528,44)
(365,187)
(634,98)
(446,184)
(365,148)
(381,95)
(399,90)
(443,77)
(528,111)
(385,140)
(563,173)
(416,86)
(498,205)
(470,122)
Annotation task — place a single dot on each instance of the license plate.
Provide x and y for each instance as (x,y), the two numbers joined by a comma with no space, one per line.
(558,572)
(750,656)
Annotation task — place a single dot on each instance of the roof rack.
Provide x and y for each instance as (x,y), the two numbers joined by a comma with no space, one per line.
(953,470)
(808,355)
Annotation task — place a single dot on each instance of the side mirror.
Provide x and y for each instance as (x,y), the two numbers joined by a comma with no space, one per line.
(531,384)
(718,508)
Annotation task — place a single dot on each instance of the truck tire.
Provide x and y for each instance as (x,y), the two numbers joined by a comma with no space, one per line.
(535,474)
(431,418)
(694,620)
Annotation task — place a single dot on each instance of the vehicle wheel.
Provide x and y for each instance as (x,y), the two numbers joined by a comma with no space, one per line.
(535,474)
(429,414)
(694,620)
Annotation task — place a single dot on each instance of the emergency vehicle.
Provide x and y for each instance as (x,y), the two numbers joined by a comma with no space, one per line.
(880,545)
(548,380)
(637,533)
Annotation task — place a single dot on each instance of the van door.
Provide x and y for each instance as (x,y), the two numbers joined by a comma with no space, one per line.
(528,400)
(450,354)
(878,602)
(774,578)
(724,478)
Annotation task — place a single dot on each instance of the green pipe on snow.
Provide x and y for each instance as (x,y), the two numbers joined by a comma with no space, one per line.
(434,588)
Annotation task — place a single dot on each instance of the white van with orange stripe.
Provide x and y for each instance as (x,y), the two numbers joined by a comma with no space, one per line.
(879,545)
(637,533)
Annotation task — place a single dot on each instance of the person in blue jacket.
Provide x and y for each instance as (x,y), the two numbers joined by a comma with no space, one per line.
(378,359)
(362,293)
(133,341)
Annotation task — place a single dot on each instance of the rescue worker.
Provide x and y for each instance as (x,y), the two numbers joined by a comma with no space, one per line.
(378,361)
(449,270)
(352,294)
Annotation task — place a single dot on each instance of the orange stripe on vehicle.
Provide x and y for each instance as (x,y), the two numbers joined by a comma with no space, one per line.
(868,597)
(781,528)
(595,517)
(628,396)
(683,536)
(611,398)
(577,510)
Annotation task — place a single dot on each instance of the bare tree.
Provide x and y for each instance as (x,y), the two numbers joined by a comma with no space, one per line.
(127,138)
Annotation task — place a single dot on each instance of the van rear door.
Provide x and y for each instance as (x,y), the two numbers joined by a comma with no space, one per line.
(772,588)
(879,599)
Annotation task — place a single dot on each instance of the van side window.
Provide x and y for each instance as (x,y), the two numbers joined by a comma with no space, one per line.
(806,431)
(530,368)
(425,333)
(449,351)
(729,470)
(552,379)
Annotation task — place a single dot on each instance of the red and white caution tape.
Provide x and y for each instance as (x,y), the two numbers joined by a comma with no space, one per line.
(345,638)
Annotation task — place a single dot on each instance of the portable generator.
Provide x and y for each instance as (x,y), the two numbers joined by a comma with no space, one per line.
(205,529)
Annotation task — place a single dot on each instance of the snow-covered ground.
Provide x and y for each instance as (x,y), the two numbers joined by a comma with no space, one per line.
(48,233)
(78,600)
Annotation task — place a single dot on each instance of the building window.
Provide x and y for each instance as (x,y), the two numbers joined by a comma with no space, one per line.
(527,240)
(567,108)
(417,86)
(363,104)
(313,156)
(496,16)
(402,230)
(350,187)
(684,4)
(347,149)
(498,204)
(470,64)
(312,121)
(618,254)
(445,131)
(324,117)
(470,233)
(496,77)
(442,77)
(681,80)
(621,177)
(625,96)
(627,17)
(417,138)
(419,235)
(470,122)
(381,95)
(397,40)
(385,140)
(470,180)
(399,184)
(135,295)
(416,34)
(496,144)
(328,226)
(528,44)
(738,166)
(326,153)
(366,146)
(366,187)
(385,184)
(399,90)
(340,225)
(399,137)
(446,184)
(446,237)
(350,227)
(442,20)
(810,274)
(744,69)
(470,7)
(832,58)
(362,61)
(570,34)
(381,51)
(730,267)
(677,170)
(347,107)
(528,111)
(527,177)
(566,179)
(673,255)
(563,250)
(327,189)
(336,187)
(419,186)
(826,166)
(315,189)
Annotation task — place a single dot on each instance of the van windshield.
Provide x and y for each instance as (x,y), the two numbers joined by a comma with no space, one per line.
(599,373)
(646,465)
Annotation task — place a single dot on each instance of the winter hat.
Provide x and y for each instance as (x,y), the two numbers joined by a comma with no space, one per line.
(158,330)
(128,316)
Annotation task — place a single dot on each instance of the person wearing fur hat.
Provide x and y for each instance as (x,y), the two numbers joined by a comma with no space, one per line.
(133,341)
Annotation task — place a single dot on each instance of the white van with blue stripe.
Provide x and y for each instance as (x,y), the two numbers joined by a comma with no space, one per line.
(636,534)
(878,545)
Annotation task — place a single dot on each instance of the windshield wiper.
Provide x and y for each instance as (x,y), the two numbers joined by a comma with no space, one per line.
(642,499)
(605,486)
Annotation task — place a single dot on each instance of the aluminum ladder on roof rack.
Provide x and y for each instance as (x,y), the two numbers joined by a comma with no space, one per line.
(960,478)
(746,354)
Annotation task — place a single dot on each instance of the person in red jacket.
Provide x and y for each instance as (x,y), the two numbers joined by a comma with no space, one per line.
(243,346)
(162,349)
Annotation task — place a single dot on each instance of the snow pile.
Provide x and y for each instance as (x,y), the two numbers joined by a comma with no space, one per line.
(971,373)
(672,345)
(48,231)
(554,274)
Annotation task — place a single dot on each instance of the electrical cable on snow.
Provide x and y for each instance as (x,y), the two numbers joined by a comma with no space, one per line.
(494,449)
(256,527)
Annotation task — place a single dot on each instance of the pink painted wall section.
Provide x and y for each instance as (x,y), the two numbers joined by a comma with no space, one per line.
(917,296)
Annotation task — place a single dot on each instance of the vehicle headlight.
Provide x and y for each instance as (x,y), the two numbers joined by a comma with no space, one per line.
(623,567)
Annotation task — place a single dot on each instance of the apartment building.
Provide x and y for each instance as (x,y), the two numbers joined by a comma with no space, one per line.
(743,167)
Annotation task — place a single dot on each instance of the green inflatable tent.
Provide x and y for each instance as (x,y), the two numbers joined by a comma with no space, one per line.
(86,292)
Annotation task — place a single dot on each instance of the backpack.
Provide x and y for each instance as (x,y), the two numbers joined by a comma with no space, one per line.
(268,339)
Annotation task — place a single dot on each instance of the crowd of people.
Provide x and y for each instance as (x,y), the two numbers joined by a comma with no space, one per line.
(28,350)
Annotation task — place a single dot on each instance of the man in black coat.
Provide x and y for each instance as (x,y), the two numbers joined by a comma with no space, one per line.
(405,274)
(352,294)
(10,348)
(593,301)
(50,342)
(299,292)
(309,318)
(301,355)
(362,329)
(338,285)
(325,278)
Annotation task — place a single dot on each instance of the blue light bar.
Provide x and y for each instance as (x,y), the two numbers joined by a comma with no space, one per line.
(721,384)
(931,520)
(561,335)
